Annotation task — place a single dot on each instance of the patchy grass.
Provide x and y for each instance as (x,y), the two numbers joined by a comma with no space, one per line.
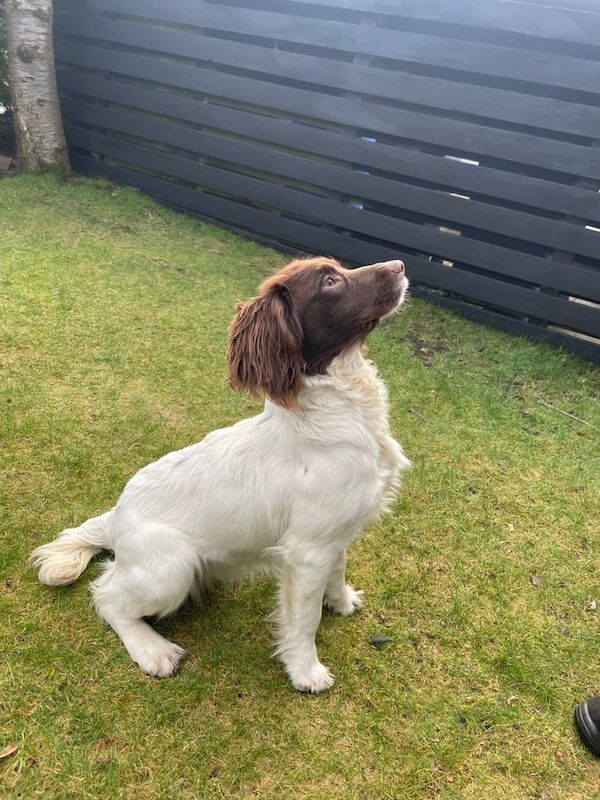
(113,322)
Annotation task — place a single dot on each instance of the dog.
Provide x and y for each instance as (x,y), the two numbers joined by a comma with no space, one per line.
(284,492)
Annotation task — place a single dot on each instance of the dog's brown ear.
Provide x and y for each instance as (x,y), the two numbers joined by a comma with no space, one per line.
(265,347)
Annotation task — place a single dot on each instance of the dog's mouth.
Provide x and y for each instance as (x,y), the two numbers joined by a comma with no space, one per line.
(400,290)
(384,288)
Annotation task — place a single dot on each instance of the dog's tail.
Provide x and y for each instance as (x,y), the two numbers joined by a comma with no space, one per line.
(62,561)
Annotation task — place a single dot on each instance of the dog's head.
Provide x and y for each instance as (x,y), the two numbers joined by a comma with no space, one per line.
(303,317)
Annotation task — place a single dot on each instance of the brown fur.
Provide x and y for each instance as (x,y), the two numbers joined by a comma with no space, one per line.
(264,348)
(298,324)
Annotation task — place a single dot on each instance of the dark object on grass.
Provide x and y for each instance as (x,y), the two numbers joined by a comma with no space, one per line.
(378,640)
(587,722)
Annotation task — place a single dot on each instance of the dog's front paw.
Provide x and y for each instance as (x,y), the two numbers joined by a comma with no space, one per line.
(315,680)
(347,604)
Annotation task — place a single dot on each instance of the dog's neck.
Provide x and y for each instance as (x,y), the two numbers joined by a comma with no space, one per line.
(350,383)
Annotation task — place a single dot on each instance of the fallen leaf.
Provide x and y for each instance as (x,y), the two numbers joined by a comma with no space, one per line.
(559,755)
(591,606)
(9,750)
(545,795)
(526,412)
(536,580)
(511,700)
(378,640)
(214,773)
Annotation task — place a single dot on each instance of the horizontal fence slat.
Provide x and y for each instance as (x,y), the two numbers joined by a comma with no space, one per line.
(256,220)
(488,316)
(552,308)
(536,20)
(462,137)
(426,201)
(550,69)
(453,134)
(448,96)
(563,198)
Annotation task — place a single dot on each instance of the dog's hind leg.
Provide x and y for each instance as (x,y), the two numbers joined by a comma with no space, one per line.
(340,597)
(153,581)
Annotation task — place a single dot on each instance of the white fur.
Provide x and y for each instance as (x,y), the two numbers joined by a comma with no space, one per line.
(284,492)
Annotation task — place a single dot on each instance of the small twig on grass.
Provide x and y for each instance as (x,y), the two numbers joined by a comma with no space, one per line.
(566,413)
(416,413)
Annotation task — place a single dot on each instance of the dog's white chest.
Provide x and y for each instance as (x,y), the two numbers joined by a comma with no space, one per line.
(367,393)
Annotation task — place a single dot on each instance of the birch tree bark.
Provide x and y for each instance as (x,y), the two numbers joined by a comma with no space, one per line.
(38,124)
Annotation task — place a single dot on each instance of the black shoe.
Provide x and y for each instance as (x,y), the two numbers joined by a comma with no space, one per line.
(587,722)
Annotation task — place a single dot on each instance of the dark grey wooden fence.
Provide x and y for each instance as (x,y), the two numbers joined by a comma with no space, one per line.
(462,136)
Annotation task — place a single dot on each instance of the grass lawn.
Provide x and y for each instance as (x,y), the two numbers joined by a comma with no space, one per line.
(113,325)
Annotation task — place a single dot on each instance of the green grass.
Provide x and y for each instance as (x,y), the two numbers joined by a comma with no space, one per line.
(113,325)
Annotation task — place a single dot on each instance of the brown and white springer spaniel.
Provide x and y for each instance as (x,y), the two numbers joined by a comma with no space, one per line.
(284,492)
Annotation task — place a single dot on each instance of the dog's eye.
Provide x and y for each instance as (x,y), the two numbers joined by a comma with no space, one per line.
(329,281)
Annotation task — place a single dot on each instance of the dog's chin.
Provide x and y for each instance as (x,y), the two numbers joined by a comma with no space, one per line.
(403,288)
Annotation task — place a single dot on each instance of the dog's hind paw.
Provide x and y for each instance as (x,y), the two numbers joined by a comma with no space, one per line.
(348,603)
(160,659)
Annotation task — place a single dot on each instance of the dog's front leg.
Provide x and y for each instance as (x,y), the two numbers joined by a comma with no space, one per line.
(339,595)
(301,589)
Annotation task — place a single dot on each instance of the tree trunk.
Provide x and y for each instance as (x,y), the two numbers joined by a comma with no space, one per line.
(38,124)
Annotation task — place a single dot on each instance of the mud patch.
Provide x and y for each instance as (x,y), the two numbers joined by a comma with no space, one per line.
(171,267)
(424,350)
